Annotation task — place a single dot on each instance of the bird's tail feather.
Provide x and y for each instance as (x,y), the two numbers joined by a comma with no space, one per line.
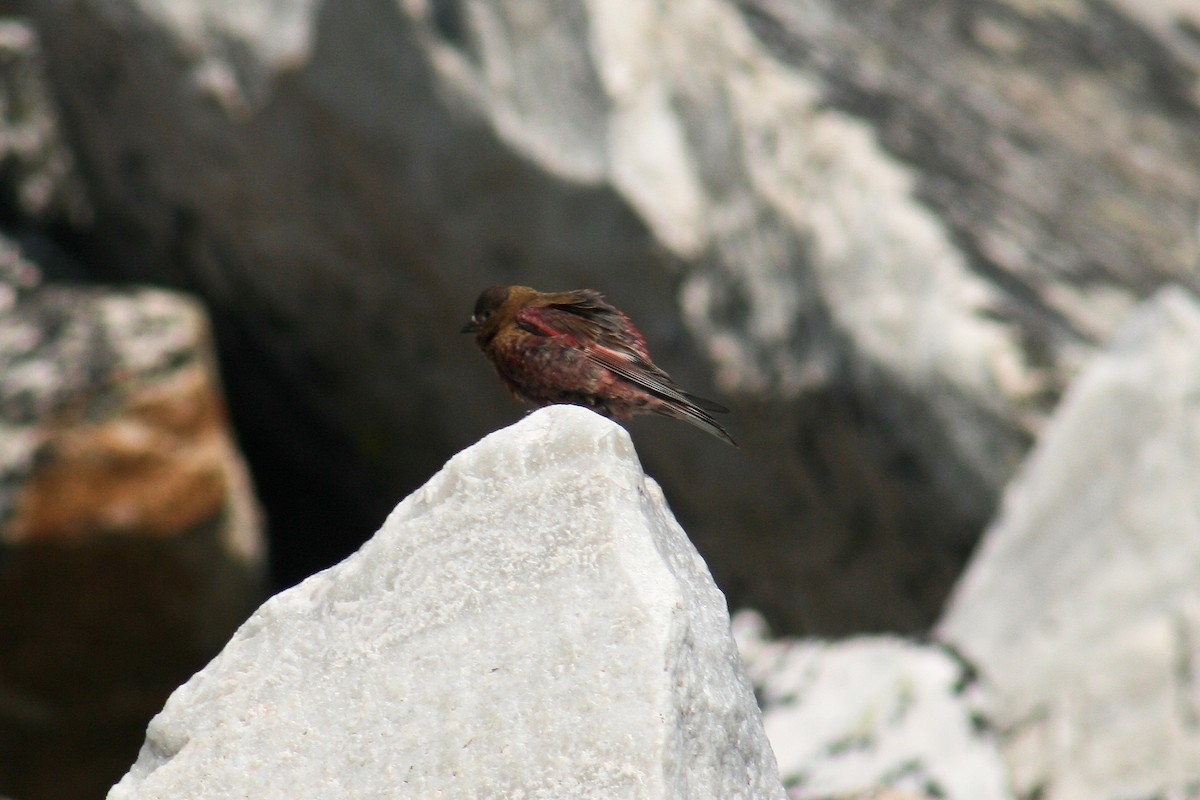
(700,418)
(705,404)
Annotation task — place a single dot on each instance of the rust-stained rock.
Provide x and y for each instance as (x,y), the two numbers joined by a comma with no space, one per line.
(130,542)
(158,467)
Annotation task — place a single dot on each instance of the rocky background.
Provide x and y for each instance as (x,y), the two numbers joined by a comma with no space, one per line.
(890,234)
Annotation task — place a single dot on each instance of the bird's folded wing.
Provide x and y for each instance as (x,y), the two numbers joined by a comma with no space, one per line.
(648,377)
(586,317)
(604,336)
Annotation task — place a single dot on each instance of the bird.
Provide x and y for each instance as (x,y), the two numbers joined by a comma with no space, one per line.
(573,347)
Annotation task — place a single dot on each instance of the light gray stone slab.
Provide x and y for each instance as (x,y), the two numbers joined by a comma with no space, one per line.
(531,623)
(1082,606)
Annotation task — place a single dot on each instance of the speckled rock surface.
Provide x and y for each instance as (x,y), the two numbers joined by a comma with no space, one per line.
(872,717)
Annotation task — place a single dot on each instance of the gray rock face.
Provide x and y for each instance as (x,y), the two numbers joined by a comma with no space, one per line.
(530,623)
(1082,606)
(888,233)
(871,717)
(130,543)
(38,180)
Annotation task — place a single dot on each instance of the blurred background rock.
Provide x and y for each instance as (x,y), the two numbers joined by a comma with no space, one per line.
(889,234)
(131,543)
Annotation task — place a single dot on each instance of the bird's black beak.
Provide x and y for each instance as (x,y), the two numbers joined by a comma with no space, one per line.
(471,327)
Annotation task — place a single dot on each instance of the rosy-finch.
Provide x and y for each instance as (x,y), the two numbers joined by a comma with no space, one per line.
(572,347)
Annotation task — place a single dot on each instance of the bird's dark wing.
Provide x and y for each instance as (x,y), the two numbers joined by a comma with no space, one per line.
(603,334)
(608,337)
(649,377)
(686,406)
(584,316)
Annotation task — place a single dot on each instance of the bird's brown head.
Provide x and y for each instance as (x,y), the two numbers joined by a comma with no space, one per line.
(496,305)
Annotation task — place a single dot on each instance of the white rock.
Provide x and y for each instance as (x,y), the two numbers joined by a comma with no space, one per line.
(1082,605)
(873,713)
(531,623)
